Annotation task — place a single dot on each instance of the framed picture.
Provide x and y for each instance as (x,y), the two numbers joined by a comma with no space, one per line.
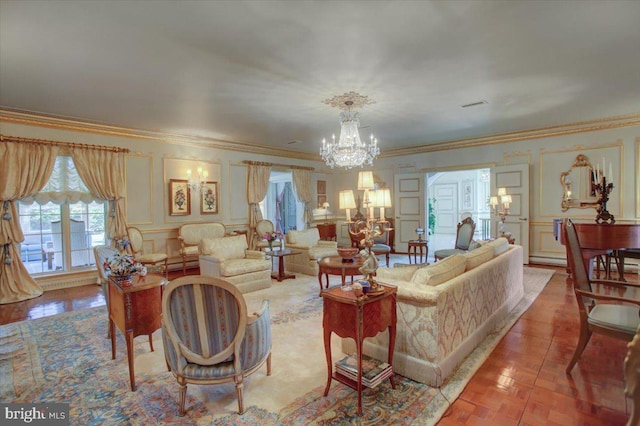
(322,187)
(209,198)
(179,198)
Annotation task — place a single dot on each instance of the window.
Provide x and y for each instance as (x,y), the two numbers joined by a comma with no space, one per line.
(62,223)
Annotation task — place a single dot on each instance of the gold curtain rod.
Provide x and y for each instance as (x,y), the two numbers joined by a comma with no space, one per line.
(4,138)
(262,163)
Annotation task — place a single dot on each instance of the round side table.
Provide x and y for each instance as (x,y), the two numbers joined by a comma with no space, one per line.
(414,246)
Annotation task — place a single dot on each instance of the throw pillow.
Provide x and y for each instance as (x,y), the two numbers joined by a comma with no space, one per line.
(225,247)
(478,257)
(499,246)
(441,271)
(474,245)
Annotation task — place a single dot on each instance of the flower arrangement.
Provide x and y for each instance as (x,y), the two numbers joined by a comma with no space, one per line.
(124,265)
(272,236)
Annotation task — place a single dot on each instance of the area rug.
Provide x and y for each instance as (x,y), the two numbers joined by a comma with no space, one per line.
(67,358)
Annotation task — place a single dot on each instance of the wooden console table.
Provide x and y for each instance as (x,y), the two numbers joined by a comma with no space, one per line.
(327,231)
(135,309)
(348,316)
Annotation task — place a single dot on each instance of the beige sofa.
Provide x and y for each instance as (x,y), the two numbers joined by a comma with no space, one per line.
(192,234)
(229,258)
(446,309)
(311,247)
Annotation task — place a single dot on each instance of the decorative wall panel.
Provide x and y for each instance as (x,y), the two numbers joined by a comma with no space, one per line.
(140,189)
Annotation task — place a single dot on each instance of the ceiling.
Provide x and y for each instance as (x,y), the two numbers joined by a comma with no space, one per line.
(256,72)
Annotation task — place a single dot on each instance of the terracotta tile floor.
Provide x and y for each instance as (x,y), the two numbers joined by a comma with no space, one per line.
(521,383)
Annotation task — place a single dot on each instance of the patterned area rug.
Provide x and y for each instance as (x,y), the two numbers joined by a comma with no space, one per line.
(67,358)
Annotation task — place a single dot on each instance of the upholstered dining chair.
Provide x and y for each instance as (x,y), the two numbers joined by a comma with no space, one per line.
(208,337)
(265,227)
(153,259)
(606,307)
(103,254)
(464,235)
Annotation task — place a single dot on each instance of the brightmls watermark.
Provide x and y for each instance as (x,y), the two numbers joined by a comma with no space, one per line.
(34,414)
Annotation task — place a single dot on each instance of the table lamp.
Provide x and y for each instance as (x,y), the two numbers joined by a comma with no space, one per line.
(347,202)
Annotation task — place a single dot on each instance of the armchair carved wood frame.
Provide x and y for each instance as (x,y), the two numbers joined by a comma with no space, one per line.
(208,337)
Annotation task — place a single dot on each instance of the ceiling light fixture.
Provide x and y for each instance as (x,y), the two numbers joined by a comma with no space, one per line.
(349,151)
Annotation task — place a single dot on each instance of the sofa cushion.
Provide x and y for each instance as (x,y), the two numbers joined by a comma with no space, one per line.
(233,267)
(478,257)
(308,237)
(441,271)
(499,246)
(225,247)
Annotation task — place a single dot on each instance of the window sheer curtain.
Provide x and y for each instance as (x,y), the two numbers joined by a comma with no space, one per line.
(302,187)
(64,185)
(257,187)
(103,173)
(24,170)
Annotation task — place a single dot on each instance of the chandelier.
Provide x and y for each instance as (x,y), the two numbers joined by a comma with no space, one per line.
(349,151)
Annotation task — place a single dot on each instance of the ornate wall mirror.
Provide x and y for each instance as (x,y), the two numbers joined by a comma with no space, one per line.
(578,185)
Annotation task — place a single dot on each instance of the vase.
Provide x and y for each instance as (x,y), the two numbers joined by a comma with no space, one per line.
(123,280)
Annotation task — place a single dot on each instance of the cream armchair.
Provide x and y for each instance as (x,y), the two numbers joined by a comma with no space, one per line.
(228,258)
(192,234)
(311,247)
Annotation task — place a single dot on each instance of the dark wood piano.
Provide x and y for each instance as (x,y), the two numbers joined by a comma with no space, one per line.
(596,239)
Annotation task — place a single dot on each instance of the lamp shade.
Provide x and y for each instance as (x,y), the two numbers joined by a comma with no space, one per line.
(383,197)
(502,191)
(493,201)
(365,180)
(506,200)
(347,200)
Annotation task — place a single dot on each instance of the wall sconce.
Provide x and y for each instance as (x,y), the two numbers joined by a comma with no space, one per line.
(347,202)
(199,183)
(500,205)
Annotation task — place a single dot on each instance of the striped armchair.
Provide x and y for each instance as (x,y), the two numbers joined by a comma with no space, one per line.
(208,337)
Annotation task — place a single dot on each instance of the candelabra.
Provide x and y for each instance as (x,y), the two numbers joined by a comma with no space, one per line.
(603,189)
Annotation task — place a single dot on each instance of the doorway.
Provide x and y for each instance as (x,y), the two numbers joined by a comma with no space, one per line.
(450,197)
(281,205)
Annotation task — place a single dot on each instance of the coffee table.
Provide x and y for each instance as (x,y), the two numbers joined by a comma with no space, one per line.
(333,265)
(281,254)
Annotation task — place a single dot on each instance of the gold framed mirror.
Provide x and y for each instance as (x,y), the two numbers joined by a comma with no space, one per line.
(578,182)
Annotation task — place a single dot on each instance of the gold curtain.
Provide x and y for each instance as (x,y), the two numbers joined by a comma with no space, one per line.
(257,187)
(302,186)
(25,169)
(103,173)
